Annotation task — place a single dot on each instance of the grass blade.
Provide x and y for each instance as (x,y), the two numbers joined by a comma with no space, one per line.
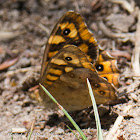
(72,132)
(98,125)
(65,112)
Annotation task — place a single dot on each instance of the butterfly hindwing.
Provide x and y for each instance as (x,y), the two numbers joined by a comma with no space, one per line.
(106,65)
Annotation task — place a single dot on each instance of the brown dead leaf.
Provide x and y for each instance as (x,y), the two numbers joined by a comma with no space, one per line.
(8,63)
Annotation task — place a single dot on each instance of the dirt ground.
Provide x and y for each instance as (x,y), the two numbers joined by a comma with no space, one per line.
(25,26)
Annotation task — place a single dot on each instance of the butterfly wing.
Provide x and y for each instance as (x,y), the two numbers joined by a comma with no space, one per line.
(106,65)
(57,73)
(65,78)
(70,29)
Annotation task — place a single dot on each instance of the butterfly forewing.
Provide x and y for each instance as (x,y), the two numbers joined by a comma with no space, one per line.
(70,29)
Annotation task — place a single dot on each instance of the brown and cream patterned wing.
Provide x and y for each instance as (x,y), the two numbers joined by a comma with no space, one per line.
(70,29)
(65,78)
(106,65)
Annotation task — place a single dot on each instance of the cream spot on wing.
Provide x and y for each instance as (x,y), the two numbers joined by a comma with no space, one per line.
(48,82)
(51,54)
(71,27)
(55,71)
(83,47)
(58,61)
(63,25)
(68,69)
(92,40)
(88,65)
(56,39)
(85,35)
(52,78)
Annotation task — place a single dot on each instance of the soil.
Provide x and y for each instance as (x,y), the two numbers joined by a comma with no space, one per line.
(25,26)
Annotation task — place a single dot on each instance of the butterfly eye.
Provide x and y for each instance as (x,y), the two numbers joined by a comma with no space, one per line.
(99,67)
(66,31)
(68,58)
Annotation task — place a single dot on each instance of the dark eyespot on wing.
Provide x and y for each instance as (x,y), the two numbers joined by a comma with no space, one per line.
(66,31)
(102,92)
(68,58)
(99,67)
(96,85)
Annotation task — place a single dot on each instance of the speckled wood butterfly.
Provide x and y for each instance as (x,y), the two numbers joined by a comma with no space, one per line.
(71,56)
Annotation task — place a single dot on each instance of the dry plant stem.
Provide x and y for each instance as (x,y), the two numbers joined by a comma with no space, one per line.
(125,4)
(31,130)
(112,133)
(8,35)
(44,28)
(19,130)
(136,51)
(123,36)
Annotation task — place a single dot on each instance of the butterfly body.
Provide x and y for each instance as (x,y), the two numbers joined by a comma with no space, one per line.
(71,56)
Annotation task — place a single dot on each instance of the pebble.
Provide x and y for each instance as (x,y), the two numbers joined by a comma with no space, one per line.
(16,110)
(59,131)
(19,130)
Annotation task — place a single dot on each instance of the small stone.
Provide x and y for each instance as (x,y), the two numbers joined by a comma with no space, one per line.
(16,110)
(59,131)
(134,97)
(19,130)
(16,97)
(7,113)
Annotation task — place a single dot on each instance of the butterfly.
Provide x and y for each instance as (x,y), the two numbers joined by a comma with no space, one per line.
(71,56)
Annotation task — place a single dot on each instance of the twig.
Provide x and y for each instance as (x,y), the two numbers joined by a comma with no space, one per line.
(19,130)
(5,35)
(44,28)
(31,130)
(125,4)
(136,51)
(123,36)
(111,135)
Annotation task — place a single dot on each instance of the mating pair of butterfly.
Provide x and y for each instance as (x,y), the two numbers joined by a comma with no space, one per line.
(71,56)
